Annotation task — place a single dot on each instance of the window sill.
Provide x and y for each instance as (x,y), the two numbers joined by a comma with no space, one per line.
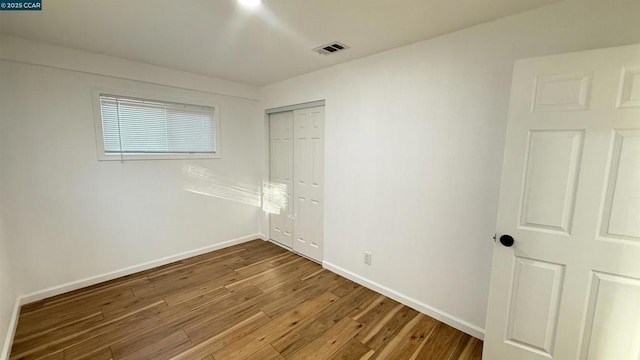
(103,157)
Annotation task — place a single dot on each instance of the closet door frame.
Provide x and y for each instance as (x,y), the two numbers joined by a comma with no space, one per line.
(266,218)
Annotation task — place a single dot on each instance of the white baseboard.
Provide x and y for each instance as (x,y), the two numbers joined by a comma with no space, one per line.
(263,237)
(437,314)
(13,324)
(75,285)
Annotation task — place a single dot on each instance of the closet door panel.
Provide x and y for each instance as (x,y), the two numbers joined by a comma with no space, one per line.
(279,195)
(308,184)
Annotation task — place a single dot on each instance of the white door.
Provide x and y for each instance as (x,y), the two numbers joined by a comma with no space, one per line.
(308,174)
(569,288)
(281,177)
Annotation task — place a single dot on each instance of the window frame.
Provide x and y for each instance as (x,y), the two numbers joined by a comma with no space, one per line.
(143,95)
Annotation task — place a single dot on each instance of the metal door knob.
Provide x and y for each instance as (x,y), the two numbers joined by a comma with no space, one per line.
(507,240)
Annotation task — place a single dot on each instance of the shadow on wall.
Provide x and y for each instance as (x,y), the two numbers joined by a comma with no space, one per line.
(272,197)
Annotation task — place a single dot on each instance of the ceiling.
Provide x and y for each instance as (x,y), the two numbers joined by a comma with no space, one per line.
(257,46)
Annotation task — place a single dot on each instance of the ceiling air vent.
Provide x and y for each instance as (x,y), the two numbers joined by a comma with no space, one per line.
(330,48)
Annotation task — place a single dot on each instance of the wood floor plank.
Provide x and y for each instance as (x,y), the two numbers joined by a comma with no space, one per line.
(55,356)
(472,350)
(327,280)
(289,295)
(295,272)
(184,278)
(390,328)
(392,344)
(365,308)
(200,291)
(256,267)
(442,343)
(161,349)
(51,335)
(136,343)
(73,311)
(127,306)
(249,301)
(64,299)
(262,252)
(275,328)
(166,317)
(405,344)
(203,329)
(354,349)
(329,342)
(459,347)
(277,273)
(374,312)
(375,324)
(175,318)
(266,353)
(343,287)
(167,289)
(104,328)
(113,331)
(96,354)
(217,341)
(289,343)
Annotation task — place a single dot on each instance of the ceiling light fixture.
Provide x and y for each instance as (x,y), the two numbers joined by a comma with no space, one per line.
(250,3)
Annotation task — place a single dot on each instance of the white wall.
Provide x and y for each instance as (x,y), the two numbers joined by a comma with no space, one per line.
(414,142)
(37,53)
(68,216)
(7,290)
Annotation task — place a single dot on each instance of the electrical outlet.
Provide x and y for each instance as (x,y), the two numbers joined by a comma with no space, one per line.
(367,257)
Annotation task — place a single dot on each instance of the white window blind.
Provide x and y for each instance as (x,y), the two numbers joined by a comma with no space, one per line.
(137,127)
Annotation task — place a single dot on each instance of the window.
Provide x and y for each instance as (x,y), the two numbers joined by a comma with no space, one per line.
(134,128)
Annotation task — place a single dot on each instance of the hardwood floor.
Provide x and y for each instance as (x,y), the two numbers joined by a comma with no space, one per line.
(250,301)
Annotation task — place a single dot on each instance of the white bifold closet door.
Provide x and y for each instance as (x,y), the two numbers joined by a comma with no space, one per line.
(281,177)
(308,186)
(299,224)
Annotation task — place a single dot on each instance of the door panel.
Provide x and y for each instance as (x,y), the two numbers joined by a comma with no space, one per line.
(550,179)
(569,288)
(281,177)
(308,181)
(621,214)
(614,304)
(561,92)
(630,89)
(535,299)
